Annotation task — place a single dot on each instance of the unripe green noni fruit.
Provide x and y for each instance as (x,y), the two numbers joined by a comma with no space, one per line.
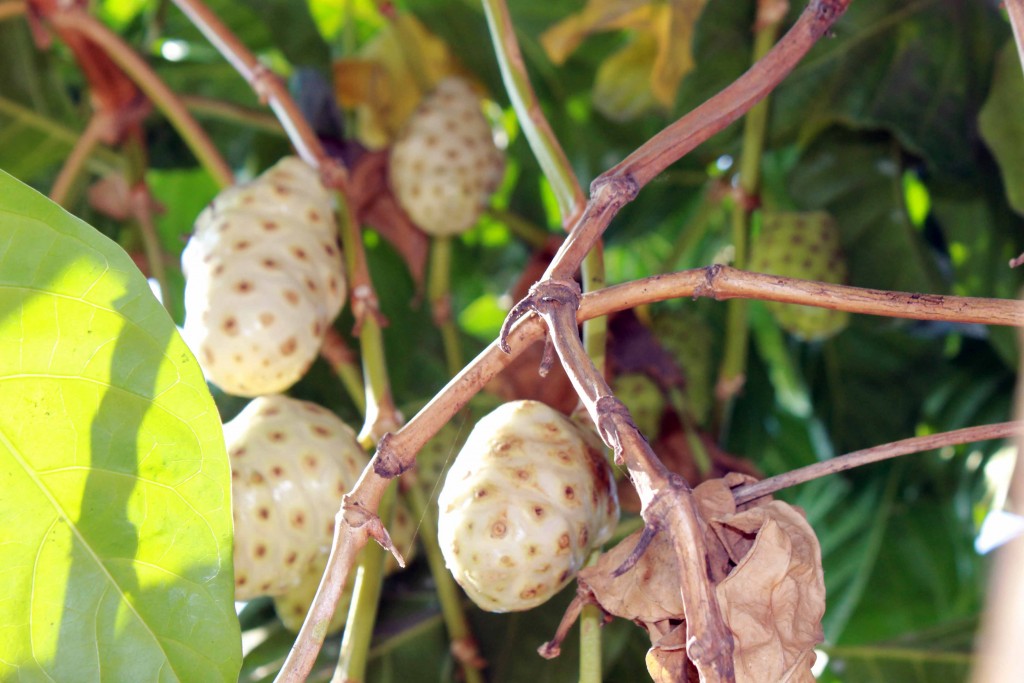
(291,463)
(805,246)
(264,280)
(527,499)
(690,340)
(645,401)
(444,164)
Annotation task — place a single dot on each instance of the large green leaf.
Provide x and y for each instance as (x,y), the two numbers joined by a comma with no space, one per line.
(115,494)
(918,69)
(1001,125)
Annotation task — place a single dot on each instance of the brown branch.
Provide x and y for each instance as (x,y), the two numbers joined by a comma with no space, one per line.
(723,282)
(745,494)
(667,504)
(684,135)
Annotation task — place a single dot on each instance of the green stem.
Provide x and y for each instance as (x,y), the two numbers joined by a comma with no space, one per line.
(362,612)
(734,361)
(553,162)
(439,294)
(591,621)
(381,416)
(447,592)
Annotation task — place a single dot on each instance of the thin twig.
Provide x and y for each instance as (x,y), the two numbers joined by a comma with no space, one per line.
(233,113)
(80,153)
(156,90)
(917,444)
(266,84)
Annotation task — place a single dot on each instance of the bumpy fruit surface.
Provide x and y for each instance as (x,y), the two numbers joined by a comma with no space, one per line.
(291,462)
(527,499)
(806,246)
(444,165)
(264,280)
(293,605)
(687,336)
(645,401)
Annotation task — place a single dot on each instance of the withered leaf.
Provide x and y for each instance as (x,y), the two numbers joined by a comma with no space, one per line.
(774,599)
(649,592)
(667,661)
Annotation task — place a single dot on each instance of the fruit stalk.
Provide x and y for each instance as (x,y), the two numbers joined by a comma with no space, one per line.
(737,332)
(464,647)
(440,296)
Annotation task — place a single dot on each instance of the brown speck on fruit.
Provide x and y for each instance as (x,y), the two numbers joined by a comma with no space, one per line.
(290,558)
(270,264)
(288,346)
(310,284)
(564,576)
(207,355)
(269,226)
(237,357)
(265,587)
(570,493)
(255,478)
(330,527)
(531,550)
(260,551)
(243,286)
(291,296)
(298,520)
(538,511)
(277,436)
(230,326)
(313,216)
(563,541)
(241,581)
(238,452)
(320,430)
(267,318)
(277,471)
(506,561)
(531,592)
(299,253)
(317,329)
(218,269)
(242,245)
(263,513)
(310,461)
(499,529)
(480,493)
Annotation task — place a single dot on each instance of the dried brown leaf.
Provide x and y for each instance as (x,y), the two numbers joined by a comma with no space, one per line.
(774,599)
(647,593)
(667,661)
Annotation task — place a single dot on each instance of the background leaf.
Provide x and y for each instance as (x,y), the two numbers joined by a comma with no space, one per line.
(116,505)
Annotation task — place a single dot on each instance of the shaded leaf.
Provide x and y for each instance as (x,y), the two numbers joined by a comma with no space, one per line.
(1002,126)
(117,545)
(858,179)
(917,69)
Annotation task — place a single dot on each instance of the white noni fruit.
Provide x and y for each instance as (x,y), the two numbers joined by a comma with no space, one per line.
(527,499)
(444,164)
(291,463)
(264,280)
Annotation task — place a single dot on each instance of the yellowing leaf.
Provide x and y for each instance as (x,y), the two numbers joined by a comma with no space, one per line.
(621,88)
(645,73)
(389,76)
